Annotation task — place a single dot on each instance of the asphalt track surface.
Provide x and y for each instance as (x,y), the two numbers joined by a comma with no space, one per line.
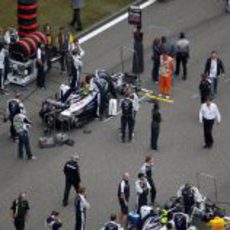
(103,158)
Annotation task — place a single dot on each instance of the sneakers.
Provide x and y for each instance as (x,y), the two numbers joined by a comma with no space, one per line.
(167,97)
(33,158)
(159,95)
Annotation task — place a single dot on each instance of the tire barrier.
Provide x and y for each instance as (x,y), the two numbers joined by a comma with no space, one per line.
(26,48)
(27,17)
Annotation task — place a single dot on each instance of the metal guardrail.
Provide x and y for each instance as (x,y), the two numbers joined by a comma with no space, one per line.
(215,186)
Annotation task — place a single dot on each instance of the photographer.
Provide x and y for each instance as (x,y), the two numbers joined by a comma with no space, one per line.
(22,124)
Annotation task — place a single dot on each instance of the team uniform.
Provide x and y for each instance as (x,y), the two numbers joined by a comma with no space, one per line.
(20,209)
(155,129)
(181,221)
(123,196)
(72,178)
(192,199)
(52,223)
(112,225)
(127,118)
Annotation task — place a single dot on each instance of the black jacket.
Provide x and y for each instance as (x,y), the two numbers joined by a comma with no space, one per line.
(220,66)
(205,87)
(71,171)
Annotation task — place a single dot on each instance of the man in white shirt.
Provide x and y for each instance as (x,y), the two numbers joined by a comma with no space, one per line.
(214,68)
(209,112)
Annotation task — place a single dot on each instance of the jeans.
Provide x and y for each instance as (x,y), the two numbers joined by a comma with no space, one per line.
(24,142)
(214,84)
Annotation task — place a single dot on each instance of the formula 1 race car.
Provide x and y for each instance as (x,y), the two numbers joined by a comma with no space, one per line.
(75,106)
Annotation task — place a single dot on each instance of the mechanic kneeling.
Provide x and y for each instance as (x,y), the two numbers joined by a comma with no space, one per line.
(112,224)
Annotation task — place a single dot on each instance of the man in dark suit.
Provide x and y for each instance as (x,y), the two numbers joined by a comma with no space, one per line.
(214,68)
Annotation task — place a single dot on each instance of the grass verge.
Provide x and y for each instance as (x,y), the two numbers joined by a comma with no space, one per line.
(59,12)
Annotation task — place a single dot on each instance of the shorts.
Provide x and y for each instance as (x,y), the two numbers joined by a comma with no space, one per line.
(124,207)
